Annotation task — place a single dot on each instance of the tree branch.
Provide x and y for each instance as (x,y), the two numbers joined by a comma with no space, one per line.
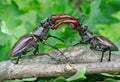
(44,66)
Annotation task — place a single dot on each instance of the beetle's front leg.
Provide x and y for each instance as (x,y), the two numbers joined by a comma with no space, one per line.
(36,52)
(16,61)
(55,48)
(57,38)
(77,43)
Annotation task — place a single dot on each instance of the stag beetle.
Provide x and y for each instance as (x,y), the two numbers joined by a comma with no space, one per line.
(97,42)
(30,41)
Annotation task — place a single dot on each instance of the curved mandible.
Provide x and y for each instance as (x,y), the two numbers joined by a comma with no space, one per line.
(56,17)
(73,23)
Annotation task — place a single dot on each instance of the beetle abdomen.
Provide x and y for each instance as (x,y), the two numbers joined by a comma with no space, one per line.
(21,44)
(106,42)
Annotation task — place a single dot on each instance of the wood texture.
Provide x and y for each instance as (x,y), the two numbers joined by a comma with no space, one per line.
(45,66)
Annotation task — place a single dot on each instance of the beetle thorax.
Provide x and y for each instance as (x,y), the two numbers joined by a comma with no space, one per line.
(38,31)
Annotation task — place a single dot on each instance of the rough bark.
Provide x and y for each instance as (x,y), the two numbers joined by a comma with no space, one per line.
(44,66)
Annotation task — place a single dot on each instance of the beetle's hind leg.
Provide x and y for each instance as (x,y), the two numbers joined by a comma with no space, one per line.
(109,59)
(62,54)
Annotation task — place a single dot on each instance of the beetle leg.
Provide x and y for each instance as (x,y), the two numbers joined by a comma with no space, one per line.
(109,56)
(18,59)
(16,62)
(80,42)
(72,46)
(35,52)
(102,56)
(55,48)
(57,38)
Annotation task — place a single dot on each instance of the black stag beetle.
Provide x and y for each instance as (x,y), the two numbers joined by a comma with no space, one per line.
(97,42)
(30,41)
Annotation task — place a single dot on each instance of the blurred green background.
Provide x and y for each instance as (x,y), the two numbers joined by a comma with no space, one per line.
(18,17)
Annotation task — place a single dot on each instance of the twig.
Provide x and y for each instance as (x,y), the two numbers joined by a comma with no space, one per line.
(44,66)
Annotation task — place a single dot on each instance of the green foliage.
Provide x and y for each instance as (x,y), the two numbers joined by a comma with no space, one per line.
(78,76)
(110,80)
(18,17)
(60,79)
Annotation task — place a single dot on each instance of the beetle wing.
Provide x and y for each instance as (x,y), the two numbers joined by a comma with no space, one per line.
(21,44)
(107,42)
